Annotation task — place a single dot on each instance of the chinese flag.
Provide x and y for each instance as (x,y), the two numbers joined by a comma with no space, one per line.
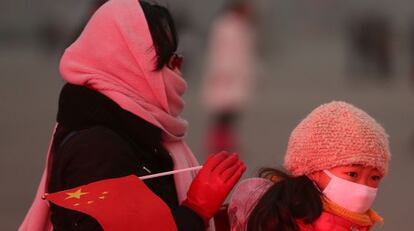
(118,204)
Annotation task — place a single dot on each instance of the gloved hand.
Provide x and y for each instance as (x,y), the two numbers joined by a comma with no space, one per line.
(213,183)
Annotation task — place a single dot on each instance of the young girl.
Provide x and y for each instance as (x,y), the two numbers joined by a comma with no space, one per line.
(336,159)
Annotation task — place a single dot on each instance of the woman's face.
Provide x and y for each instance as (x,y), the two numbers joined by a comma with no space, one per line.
(359,174)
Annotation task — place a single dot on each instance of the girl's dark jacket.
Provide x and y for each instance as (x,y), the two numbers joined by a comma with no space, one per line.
(95,140)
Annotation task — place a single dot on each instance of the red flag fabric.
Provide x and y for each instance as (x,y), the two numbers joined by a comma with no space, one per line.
(123,203)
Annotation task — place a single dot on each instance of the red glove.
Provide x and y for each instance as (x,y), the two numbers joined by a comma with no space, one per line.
(213,183)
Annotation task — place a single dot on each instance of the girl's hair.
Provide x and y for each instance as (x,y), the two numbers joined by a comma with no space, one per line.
(163,33)
(290,199)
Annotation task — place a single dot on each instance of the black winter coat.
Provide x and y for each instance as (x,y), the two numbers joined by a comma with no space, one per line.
(95,140)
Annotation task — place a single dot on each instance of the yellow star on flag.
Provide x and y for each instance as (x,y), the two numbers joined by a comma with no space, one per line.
(76,194)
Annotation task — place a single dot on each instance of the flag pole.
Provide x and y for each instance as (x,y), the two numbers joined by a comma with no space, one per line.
(170,172)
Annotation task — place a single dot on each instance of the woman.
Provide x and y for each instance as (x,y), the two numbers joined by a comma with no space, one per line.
(119,115)
(336,158)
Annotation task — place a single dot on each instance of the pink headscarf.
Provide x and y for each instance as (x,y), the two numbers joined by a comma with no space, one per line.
(115,56)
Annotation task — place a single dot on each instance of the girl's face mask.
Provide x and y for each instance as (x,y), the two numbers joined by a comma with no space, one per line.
(349,195)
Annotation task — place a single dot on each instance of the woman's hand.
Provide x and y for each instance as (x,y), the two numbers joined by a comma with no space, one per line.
(213,183)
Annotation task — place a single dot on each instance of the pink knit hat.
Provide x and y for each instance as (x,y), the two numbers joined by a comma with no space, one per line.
(337,134)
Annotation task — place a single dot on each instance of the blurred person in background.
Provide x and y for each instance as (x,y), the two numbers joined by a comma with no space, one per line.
(119,115)
(229,78)
(335,161)
(370,45)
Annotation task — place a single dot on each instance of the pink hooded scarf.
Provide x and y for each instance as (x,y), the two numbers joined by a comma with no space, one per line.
(115,56)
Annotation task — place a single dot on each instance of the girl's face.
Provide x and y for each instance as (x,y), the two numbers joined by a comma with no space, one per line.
(355,173)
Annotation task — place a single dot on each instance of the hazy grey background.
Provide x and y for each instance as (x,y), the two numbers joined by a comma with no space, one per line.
(303,55)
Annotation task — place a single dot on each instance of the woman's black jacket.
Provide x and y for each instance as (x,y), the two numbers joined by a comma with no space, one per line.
(96,139)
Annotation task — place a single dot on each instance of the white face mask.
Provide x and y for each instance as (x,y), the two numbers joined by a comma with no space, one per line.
(349,195)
